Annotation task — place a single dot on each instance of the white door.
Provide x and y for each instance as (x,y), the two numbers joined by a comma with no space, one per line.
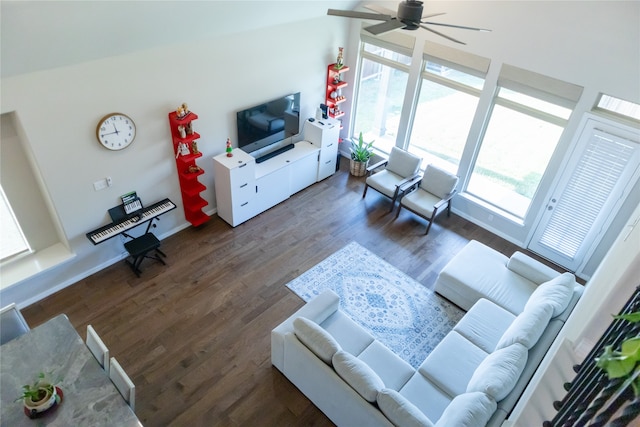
(598,176)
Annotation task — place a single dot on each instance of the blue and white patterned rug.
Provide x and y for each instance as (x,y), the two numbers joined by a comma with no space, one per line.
(407,317)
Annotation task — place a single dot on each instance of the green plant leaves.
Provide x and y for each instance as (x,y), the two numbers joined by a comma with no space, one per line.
(361,151)
(631,317)
(623,363)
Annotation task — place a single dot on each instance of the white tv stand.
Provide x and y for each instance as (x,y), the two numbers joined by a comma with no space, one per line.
(245,188)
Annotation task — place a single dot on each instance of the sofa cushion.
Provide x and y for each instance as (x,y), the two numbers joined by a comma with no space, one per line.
(478,271)
(316,339)
(400,411)
(426,396)
(475,327)
(393,371)
(528,327)
(352,337)
(468,410)
(530,268)
(556,292)
(499,372)
(358,375)
(452,363)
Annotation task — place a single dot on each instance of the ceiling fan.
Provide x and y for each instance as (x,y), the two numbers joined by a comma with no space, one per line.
(408,17)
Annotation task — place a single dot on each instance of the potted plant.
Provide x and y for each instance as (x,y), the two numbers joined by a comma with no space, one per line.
(39,397)
(360,155)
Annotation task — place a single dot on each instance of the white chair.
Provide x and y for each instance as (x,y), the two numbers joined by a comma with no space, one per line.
(98,348)
(400,168)
(12,323)
(123,383)
(436,190)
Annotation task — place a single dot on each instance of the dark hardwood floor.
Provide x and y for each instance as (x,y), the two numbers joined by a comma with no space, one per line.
(194,335)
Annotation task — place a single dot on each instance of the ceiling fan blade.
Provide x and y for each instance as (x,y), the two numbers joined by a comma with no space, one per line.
(457,26)
(385,27)
(380,9)
(433,14)
(442,35)
(361,15)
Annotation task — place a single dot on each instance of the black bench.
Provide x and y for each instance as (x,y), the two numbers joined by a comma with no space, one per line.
(139,249)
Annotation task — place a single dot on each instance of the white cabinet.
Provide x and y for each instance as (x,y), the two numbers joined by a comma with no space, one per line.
(235,184)
(245,188)
(304,172)
(324,134)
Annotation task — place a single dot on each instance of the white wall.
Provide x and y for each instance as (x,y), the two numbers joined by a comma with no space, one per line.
(59,110)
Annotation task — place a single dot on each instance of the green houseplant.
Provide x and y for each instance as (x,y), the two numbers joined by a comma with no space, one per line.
(39,396)
(625,362)
(360,155)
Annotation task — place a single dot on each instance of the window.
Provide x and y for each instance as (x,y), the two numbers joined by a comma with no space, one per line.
(13,241)
(381,86)
(523,130)
(618,106)
(445,109)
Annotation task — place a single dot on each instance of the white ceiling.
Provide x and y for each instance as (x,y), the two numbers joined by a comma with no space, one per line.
(39,35)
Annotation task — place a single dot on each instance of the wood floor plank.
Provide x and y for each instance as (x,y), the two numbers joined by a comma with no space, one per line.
(194,335)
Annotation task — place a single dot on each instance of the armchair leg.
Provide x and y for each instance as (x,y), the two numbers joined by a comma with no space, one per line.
(364,193)
(449,208)
(399,208)
(428,226)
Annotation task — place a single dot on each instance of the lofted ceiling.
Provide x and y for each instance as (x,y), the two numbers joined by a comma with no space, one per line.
(40,35)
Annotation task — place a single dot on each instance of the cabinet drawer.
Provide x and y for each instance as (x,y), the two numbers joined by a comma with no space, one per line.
(242,174)
(326,168)
(244,191)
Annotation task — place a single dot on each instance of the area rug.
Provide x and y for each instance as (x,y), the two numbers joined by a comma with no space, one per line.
(401,313)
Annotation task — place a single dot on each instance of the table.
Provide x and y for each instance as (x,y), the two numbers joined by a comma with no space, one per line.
(90,398)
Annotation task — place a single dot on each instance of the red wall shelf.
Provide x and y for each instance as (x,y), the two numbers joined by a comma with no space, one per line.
(190,186)
(333,95)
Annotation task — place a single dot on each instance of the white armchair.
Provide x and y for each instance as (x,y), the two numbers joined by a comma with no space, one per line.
(435,191)
(400,168)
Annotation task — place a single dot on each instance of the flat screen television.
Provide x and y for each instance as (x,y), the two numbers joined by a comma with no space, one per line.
(268,123)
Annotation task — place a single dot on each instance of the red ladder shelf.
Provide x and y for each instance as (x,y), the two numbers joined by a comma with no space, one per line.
(188,170)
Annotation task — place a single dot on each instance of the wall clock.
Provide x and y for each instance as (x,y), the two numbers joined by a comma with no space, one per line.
(116,131)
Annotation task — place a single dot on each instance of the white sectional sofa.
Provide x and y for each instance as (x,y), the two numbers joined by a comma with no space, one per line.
(472,378)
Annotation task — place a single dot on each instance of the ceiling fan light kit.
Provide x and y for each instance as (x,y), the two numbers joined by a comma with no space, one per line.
(408,17)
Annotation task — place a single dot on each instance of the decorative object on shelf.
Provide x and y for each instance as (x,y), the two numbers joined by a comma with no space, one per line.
(183,149)
(340,59)
(186,148)
(182,131)
(40,396)
(229,148)
(182,111)
(116,131)
(360,156)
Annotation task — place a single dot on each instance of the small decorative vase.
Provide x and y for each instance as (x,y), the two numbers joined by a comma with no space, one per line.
(358,168)
(50,398)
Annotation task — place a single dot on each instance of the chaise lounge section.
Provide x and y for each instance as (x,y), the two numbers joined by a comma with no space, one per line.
(473,377)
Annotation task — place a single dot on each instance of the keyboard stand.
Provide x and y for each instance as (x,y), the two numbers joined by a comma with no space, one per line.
(139,249)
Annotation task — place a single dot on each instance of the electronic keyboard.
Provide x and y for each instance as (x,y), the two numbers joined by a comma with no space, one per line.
(141,216)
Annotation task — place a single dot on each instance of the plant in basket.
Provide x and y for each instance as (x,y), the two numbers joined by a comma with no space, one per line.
(360,154)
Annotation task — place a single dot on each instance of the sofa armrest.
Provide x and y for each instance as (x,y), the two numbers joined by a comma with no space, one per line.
(530,268)
(318,309)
